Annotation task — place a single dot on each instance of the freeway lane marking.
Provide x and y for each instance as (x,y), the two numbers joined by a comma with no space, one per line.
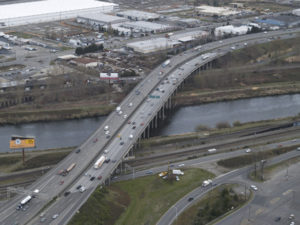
(274,200)
(259,211)
(287,192)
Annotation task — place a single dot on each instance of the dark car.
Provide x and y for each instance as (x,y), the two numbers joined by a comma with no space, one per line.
(78,150)
(67,193)
(79,186)
(92,178)
(99,178)
(277,219)
(107,161)
(133,127)
(190,199)
(122,143)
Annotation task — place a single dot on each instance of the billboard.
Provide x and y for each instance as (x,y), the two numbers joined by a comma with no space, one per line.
(21,142)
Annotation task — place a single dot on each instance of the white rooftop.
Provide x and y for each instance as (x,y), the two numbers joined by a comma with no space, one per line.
(142,14)
(47,7)
(104,17)
(217,10)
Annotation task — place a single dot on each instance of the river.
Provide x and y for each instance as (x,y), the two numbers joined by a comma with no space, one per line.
(74,132)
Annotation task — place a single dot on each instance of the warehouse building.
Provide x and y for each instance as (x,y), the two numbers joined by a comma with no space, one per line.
(144,26)
(100,20)
(296,12)
(231,30)
(280,21)
(159,44)
(50,10)
(152,45)
(139,15)
(206,10)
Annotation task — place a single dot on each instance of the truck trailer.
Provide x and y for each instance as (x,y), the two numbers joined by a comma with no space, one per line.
(99,162)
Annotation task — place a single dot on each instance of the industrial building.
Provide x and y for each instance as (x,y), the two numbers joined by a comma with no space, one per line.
(139,15)
(206,10)
(231,30)
(159,44)
(296,12)
(152,45)
(144,26)
(50,10)
(100,20)
(189,22)
(280,21)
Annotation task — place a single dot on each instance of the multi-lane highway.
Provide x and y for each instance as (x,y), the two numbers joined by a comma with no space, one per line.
(139,110)
(231,177)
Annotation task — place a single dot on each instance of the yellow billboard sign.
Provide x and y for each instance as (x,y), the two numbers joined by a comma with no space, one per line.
(21,142)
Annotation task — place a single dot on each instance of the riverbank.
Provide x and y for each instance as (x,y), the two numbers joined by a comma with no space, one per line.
(268,69)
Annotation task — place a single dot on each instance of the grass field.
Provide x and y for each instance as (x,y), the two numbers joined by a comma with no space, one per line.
(244,160)
(216,203)
(140,201)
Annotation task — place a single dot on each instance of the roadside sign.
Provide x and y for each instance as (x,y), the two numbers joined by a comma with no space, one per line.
(21,142)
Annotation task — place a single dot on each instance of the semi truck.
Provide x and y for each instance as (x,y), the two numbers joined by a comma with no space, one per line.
(99,162)
(24,202)
(165,63)
(66,171)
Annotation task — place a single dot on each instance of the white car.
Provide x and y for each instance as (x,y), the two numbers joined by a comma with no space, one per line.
(107,132)
(125,116)
(181,165)
(248,150)
(55,216)
(106,128)
(254,187)
(82,189)
(130,104)
(131,136)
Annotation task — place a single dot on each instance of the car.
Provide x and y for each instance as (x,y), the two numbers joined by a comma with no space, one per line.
(106,151)
(78,150)
(181,165)
(61,182)
(106,128)
(95,140)
(292,223)
(131,136)
(133,127)
(18,207)
(67,193)
(122,143)
(149,172)
(254,187)
(92,178)
(55,216)
(107,160)
(99,177)
(277,219)
(129,122)
(79,186)
(107,132)
(142,124)
(42,220)
(298,149)
(190,199)
(248,150)
(125,116)
(133,123)
(212,150)
(130,104)
(291,217)
(107,136)
(42,214)
(82,189)
(120,112)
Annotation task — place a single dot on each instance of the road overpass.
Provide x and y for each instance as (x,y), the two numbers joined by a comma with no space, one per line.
(139,108)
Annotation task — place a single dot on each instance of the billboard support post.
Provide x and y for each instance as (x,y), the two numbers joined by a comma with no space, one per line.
(23,153)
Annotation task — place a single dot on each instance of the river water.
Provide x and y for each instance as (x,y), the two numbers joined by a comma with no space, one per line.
(74,132)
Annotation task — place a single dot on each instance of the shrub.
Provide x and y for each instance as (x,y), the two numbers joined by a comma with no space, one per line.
(222,125)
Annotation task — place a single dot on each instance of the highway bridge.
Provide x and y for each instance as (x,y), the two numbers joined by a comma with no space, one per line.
(141,110)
